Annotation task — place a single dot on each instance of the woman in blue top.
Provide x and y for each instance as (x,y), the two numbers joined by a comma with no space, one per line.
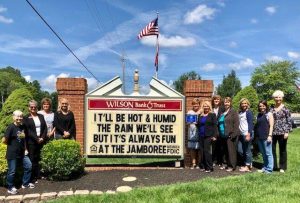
(246,135)
(263,131)
(207,125)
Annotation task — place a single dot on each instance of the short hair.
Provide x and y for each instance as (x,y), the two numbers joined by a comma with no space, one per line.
(59,104)
(17,113)
(196,101)
(244,100)
(228,99)
(46,100)
(278,93)
(264,102)
(206,103)
(32,102)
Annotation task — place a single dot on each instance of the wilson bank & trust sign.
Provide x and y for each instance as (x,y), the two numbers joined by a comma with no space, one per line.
(134,127)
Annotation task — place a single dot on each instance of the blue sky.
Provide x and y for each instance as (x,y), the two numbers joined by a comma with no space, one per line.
(209,37)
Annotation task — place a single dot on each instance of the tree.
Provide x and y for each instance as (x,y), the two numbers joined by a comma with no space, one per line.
(10,79)
(179,83)
(229,86)
(282,75)
(248,93)
(17,100)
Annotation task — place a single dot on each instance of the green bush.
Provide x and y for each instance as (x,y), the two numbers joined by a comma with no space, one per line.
(3,164)
(62,160)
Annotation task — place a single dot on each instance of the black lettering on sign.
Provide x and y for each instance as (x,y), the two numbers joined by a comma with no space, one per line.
(100,137)
(168,139)
(166,128)
(104,127)
(161,118)
(103,149)
(118,149)
(120,117)
(134,117)
(123,128)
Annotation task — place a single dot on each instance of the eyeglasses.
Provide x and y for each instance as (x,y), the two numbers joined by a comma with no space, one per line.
(33,107)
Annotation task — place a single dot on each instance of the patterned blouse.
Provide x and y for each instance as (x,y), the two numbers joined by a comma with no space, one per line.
(282,121)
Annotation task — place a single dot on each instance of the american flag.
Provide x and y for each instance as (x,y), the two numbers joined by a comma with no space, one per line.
(150,29)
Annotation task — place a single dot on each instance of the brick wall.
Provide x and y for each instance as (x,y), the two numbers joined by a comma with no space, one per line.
(202,89)
(74,89)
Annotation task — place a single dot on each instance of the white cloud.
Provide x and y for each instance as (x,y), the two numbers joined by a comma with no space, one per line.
(209,67)
(92,83)
(245,63)
(28,78)
(6,20)
(253,21)
(221,3)
(293,55)
(271,10)
(199,14)
(233,44)
(274,58)
(173,41)
(50,81)
(2,9)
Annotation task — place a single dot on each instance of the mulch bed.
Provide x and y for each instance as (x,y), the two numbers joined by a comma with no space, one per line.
(109,178)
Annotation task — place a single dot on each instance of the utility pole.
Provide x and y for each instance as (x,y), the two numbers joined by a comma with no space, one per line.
(123,69)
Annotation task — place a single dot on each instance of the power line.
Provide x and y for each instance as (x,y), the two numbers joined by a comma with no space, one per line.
(61,40)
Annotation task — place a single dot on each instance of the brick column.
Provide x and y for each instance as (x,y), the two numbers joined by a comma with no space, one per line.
(202,89)
(74,90)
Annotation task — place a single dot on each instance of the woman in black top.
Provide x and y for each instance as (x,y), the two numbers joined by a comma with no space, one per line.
(64,121)
(37,136)
(207,127)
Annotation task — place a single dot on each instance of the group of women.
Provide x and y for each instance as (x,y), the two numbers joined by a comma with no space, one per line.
(222,135)
(45,125)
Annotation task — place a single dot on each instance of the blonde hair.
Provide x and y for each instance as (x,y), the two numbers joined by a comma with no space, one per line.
(278,93)
(60,102)
(196,101)
(17,113)
(207,103)
(244,100)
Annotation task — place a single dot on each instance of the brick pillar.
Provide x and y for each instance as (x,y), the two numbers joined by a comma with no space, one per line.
(202,89)
(74,90)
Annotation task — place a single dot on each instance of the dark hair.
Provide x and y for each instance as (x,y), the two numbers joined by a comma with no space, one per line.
(264,102)
(216,97)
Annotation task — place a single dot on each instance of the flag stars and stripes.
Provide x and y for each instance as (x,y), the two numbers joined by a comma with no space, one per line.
(150,29)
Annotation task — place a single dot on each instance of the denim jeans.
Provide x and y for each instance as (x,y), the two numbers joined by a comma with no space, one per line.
(266,151)
(244,149)
(12,165)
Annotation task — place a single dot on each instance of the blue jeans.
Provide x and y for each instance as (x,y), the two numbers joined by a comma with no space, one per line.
(266,151)
(244,149)
(12,165)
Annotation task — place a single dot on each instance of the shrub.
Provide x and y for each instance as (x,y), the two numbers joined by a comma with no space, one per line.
(62,160)
(3,164)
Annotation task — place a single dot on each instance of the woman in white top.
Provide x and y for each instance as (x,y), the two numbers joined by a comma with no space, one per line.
(48,115)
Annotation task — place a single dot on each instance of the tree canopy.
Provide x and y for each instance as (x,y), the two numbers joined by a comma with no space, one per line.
(178,84)
(17,100)
(248,93)
(230,85)
(282,75)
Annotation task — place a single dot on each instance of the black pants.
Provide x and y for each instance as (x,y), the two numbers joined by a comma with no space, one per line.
(282,152)
(34,153)
(217,152)
(205,144)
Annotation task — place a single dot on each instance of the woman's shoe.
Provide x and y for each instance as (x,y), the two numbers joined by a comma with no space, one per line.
(245,169)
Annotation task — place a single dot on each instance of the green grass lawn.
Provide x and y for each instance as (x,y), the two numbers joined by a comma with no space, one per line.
(251,187)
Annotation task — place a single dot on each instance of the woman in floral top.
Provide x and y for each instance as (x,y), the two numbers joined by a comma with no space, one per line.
(282,127)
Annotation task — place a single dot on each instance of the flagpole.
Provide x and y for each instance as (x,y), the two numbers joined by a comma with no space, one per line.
(157,49)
